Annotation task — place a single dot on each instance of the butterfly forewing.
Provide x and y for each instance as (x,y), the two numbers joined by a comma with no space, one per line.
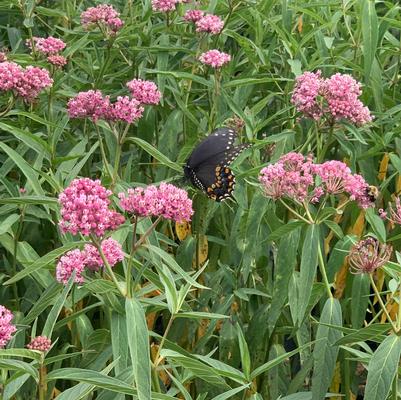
(214,145)
(208,166)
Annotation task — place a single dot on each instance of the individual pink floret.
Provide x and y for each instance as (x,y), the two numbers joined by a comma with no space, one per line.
(215,58)
(146,92)
(6,327)
(209,23)
(73,260)
(85,208)
(40,343)
(112,250)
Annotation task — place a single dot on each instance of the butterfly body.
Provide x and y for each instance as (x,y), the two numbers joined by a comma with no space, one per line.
(208,166)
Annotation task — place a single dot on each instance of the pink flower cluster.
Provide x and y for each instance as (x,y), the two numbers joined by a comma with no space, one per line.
(6,327)
(193,15)
(294,177)
(104,16)
(40,343)
(215,58)
(27,83)
(336,97)
(166,200)
(124,109)
(164,5)
(77,260)
(57,60)
(92,104)
(111,249)
(73,260)
(85,209)
(146,92)
(209,23)
(47,46)
(50,47)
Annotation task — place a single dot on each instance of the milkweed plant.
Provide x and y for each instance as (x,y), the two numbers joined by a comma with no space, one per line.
(122,278)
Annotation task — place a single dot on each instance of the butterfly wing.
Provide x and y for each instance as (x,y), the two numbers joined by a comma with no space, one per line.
(214,175)
(217,142)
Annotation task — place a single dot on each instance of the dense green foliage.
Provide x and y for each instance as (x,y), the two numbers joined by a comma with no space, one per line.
(250,302)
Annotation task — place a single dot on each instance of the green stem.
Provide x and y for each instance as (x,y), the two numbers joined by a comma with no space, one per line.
(323,271)
(98,246)
(146,234)
(103,153)
(168,327)
(129,264)
(15,252)
(155,380)
(383,307)
(42,386)
(294,212)
(399,308)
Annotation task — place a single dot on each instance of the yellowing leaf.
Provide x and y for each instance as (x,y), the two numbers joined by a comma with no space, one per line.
(383,167)
(203,251)
(182,230)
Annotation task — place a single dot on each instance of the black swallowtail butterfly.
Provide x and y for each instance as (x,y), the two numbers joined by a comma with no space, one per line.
(208,166)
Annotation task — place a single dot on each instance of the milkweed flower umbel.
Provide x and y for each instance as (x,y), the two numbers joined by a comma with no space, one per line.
(293,176)
(146,92)
(193,15)
(57,60)
(32,82)
(209,23)
(26,83)
(85,209)
(104,16)
(305,94)
(89,104)
(369,254)
(336,97)
(215,58)
(341,92)
(166,201)
(73,260)
(124,109)
(47,46)
(10,75)
(40,343)
(6,327)
(164,5)
(111,249)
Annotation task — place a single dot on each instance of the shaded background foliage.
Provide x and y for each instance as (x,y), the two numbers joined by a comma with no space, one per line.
(253,252)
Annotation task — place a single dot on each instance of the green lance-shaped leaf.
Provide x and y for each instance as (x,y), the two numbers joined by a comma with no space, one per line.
(138,343)
(286,260)
(307,269)
(369,34)
(325,352)
(382,368)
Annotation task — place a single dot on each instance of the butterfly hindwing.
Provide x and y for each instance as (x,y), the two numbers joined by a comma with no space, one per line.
(208,166)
